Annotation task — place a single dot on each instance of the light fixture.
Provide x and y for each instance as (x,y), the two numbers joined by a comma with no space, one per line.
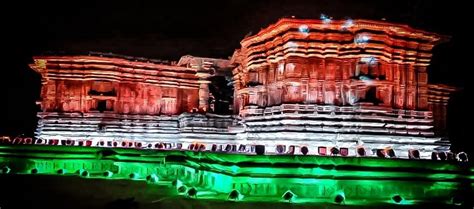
(152,178)
(40,141)
(450,156)
(457,200)
(28,140)
(414,154)
(348,23)
(34,171)
(61,171)
(182,189)
(340,197)
(6,170)
(303,29)
(322,150)
(108,174)
(380,153)
(397,199)
(326,19)
(202,147)
(344,151)
(85,173)
(442,155)
(280,149)
(390,152)
(462,157)
(192,192)
(288,196)
(235,195)
(133,175)
(361,151)
(291,150)
(159,145)
(260,149)
(304,150)
(138,144)
(177,183)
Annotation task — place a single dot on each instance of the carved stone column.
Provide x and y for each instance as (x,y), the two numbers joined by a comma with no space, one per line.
(422,88)
(203,73)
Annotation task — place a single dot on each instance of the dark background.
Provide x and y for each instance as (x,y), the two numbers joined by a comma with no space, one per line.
(170,29)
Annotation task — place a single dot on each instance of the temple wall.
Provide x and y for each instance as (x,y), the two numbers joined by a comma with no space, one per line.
(96,84)
(123,98)
(333,82)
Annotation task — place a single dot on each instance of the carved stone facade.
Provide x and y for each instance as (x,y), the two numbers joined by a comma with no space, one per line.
(297,83)
(334,64)
(97,84)
(438,98)
(107,99)
(337,85)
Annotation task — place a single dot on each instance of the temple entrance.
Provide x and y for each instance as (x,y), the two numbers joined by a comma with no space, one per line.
(371,95)
(101,105)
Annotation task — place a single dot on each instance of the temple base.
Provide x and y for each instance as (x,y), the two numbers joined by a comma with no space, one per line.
(252,178)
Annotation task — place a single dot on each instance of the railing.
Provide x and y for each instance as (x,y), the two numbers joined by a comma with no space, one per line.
(249,149)
(317,109)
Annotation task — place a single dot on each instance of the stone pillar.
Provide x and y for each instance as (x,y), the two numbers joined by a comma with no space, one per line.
(422,88)
(203,73)
(203,94)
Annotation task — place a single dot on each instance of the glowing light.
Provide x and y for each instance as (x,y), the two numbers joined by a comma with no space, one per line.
(262,175)
(361,38)
(131,121)
(177,183)
(325,19)
(281,67)
(85,173)
(6,169)
(152,178)
(457,200)
(349,23)
(290,67)
(268,179)
(304,29)
(462,157)
(291,45)
(368,59)
(234,168)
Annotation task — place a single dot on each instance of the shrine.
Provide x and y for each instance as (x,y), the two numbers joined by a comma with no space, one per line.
(299,87)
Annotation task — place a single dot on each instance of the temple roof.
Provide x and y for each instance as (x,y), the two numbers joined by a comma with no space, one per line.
(358,24)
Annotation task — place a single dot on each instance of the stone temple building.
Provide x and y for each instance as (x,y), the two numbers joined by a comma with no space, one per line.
(299,86)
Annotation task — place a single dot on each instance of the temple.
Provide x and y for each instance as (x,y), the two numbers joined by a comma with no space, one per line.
(322,87)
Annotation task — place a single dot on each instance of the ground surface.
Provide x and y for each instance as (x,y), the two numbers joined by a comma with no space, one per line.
(44,191)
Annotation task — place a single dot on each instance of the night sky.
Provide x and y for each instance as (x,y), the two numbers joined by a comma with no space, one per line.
(169,29)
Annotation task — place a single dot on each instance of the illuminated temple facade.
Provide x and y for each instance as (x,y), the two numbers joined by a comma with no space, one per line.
(300,87)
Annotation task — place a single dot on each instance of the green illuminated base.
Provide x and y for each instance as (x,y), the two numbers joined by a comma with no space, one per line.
(249,178)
